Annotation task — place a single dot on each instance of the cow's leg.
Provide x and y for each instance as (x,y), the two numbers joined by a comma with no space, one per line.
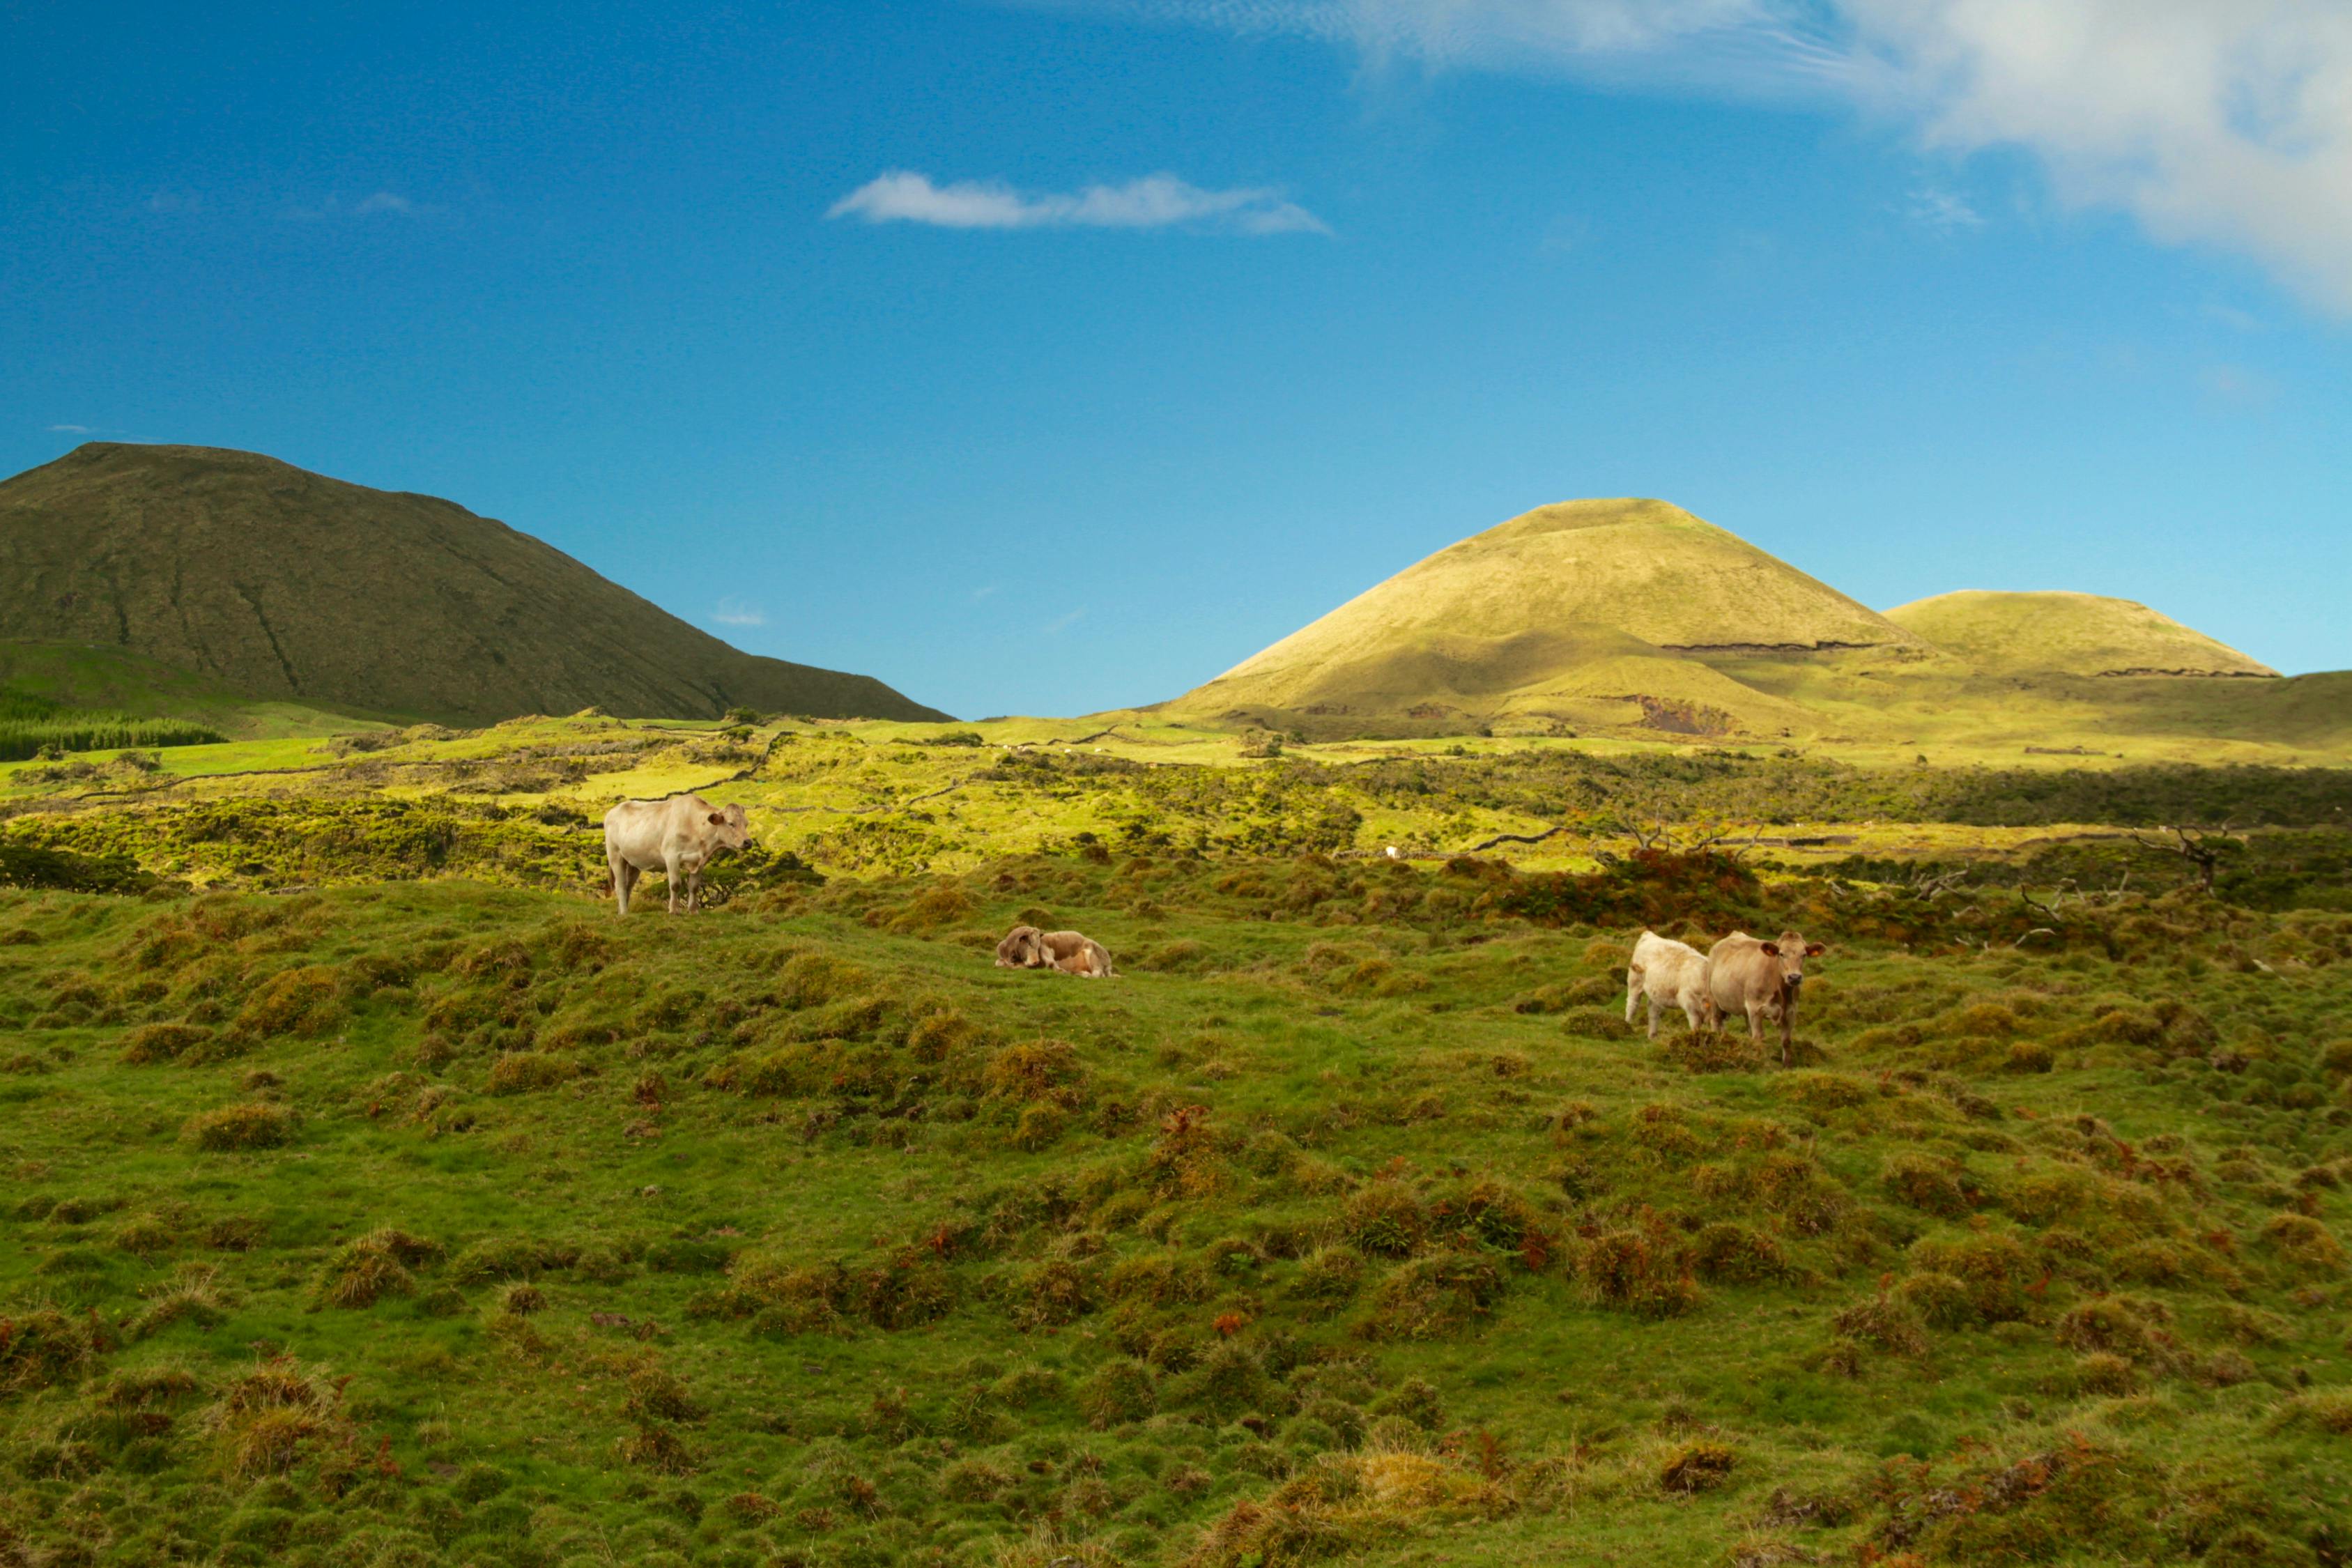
(1632,990)
(1653,1017)
(622,875)
(1788,1019)
(1756,1023)
(676,873)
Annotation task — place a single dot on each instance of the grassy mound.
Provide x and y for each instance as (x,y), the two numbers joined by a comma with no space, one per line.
(2077,634)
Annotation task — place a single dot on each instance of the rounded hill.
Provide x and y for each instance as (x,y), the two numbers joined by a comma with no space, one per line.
(1579,599)
(2074,633)
(284,583)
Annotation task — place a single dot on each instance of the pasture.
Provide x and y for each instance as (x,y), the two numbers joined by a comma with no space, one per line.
(375,1197)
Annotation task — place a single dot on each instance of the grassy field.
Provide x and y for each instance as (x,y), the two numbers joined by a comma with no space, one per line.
(391,1203)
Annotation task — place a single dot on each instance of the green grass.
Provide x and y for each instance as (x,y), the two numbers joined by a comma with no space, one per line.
(2081,633)
(445,1222)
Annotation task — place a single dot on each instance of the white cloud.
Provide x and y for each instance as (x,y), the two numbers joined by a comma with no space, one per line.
(1155,201)
(2224,122)
(173,202)
(385,202)
(1944,211)
(70,429)
(736,613)
(1062,623)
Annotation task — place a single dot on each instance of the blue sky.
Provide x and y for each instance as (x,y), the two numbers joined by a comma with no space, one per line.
(1049,358)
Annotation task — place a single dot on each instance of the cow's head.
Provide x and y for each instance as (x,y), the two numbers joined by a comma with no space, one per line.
(1024,947)
(730,830)
(1792,951)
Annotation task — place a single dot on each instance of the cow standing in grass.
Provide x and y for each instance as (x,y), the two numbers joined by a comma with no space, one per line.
(677,836)
(1670,974)
(1761,979)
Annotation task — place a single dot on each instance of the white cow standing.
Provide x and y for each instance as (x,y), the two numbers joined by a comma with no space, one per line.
(677,836)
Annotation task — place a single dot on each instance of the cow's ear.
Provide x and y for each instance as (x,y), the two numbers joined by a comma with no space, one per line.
(1772,947)
(718,819)
(1815,948)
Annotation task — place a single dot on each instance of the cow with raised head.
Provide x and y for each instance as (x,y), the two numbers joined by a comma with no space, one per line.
(677,836)
(1761,979)
(1670,975)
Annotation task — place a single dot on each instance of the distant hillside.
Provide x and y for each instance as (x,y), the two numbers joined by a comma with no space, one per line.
(1613,603)
(290,585)
(2077,634)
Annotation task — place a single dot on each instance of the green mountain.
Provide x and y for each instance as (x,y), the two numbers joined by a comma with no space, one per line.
(292,586)
(2078,634)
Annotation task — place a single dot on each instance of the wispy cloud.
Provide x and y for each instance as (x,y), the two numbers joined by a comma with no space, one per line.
(70,429)
(1062,623)
(1155,201)
(174,202)
(2225,123)
(985,591)
(737,613)
(375,204)
(1944,211)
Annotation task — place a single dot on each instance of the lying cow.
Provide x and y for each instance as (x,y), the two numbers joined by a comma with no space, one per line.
(1074,955)
(677,836)
(1672,974)
(1024,947)
(1761,979)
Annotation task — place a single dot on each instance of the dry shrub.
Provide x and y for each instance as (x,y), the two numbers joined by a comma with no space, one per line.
(1823,1092)
(941,904)
(1328,1279)
(656,1395)
(2303,1244)
(253,1125)
(1118,1393)
(1039,1128)
(1427,1297)
(193,1296)
(1053,1293)
(521,1072)
(656,1449)
(1386,1219)
(1159,1277)
(306,1002)
(1033,1072)
(1925,1183)
(1696,1468)
(1343,1505)
(269,1419)
(939,1036)
(2102,1373)
(2028,1057)
(2116,1325)
(145,1235)
(162,1042)
(375,1266)
(1796,1188)
(1733,1254)
(812,979)
(972,1480)
(1647,1270)
(783,1297)
(42,1349)
(1886,1322)
(1939,1300)
(1713,1051)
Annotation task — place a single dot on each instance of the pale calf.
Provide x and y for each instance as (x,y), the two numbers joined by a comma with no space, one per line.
(1672,974)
